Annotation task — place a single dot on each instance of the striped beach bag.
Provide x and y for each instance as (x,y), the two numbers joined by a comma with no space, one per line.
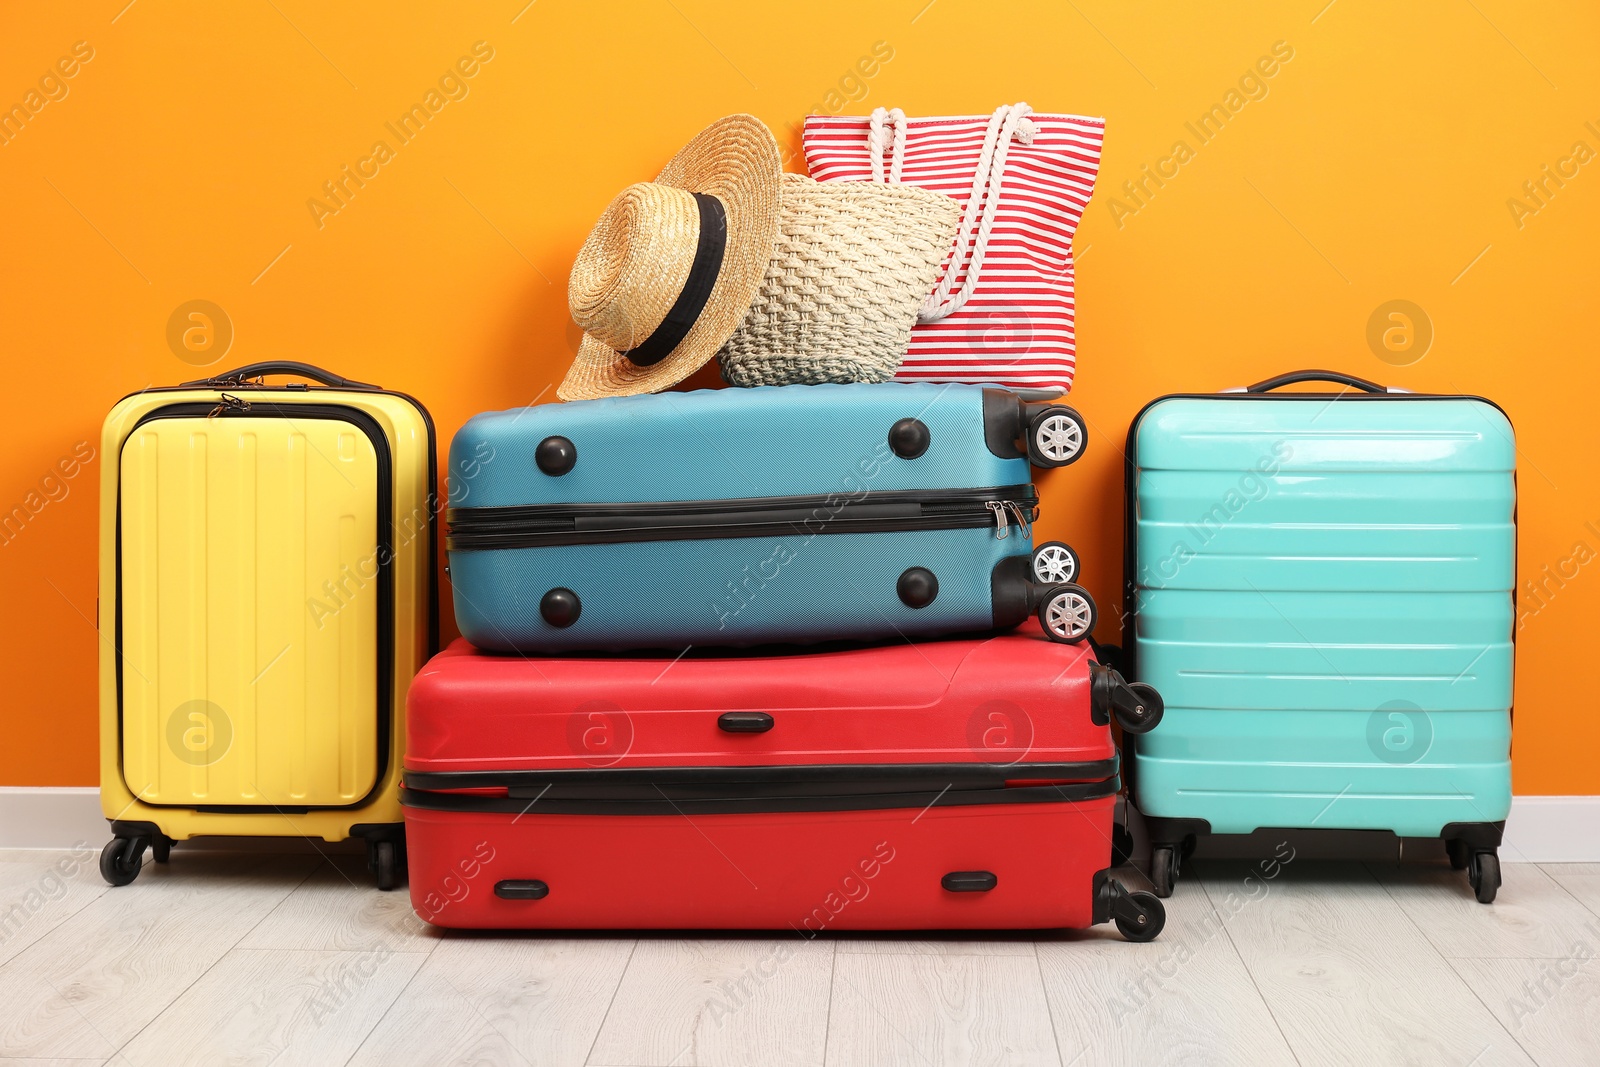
(1003,309)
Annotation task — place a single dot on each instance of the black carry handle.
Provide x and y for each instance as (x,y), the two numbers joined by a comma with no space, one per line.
(237,376)
(745,722)
(1297,376)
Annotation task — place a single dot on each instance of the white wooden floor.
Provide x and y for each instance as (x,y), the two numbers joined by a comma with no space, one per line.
(279,959)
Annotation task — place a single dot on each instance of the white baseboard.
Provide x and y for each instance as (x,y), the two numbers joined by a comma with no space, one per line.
(1553,830)
(51,817)
(1540,830)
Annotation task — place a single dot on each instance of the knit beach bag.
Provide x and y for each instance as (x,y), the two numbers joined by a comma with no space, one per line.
(851,267)
(1003,310)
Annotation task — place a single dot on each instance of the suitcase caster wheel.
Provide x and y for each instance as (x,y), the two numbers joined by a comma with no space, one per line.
(1165,863)
(121,859)
(1056,436)
(1140,917)
(1458,853)
(1055,563)
(1068,614)
(384,863)
(1121,845)
(161,848)
(1483,871)
(1146,713)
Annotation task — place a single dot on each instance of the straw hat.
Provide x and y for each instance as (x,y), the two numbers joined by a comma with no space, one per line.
(672,265)
(853,263)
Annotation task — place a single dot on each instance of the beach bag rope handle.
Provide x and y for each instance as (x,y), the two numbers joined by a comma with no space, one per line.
(1009,122)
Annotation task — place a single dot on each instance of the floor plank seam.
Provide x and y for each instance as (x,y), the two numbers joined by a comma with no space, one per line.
(1044,989)
(117,1053)
(622,976)
(827,1011)
(484,1019)
(219,958)
(1563,887)
(912,1045)
(1245,964)
(1451,967)
(378,1024)
(52,929)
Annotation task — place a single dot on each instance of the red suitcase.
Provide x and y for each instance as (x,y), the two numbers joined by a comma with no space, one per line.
(946,785)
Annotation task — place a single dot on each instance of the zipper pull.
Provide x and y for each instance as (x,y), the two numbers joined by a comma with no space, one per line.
(1024,523)
(1002,525)
(227,402)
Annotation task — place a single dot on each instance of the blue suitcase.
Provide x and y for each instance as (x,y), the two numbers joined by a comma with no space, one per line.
(1321,587)
(798,513)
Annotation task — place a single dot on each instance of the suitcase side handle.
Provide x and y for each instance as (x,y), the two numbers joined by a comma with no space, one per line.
(1295,377)
(237,377)
(969,881)
(745,722)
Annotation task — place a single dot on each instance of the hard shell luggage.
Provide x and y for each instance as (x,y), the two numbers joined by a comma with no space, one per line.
(266,593)
(950,784)
(1321,587)
(798,513)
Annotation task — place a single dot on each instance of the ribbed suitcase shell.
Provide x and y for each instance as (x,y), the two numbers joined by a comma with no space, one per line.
(228,528)
(1012,708)
(795,585)
(1322,590)
(266,641)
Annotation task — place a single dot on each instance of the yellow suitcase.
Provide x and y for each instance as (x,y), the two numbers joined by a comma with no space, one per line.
(267,592)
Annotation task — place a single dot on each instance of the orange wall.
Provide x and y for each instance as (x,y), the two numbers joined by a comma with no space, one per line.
(1377,166)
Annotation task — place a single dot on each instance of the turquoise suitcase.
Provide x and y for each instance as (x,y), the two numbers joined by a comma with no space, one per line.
(1321,588)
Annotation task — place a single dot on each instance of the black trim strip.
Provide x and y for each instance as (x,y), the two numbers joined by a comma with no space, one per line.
(860,777)
(477,803)
(697,287)
(884,511)
(385,554)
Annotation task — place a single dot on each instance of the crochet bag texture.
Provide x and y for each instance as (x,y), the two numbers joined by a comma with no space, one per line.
(842,289)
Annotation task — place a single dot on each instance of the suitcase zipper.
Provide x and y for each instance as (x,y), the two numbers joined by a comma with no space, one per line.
(885,511)
(1003,526)
(232,406)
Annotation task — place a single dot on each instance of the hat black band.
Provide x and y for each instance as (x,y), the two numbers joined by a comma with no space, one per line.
(696,288)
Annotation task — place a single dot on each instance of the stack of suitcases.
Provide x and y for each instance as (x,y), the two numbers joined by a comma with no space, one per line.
(785,655)
(557,776)
(767,657)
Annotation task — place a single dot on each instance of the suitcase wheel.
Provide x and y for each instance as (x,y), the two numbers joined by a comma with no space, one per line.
(1068,614)
(122,858)
(1121,845)
(1055,563)
(1165,863)
(1140,917)
(1146,714)
(161,848)
(1057,436)
(384,862)
(1483,871)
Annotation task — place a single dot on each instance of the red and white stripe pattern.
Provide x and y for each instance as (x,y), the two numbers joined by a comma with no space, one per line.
(1016,329)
